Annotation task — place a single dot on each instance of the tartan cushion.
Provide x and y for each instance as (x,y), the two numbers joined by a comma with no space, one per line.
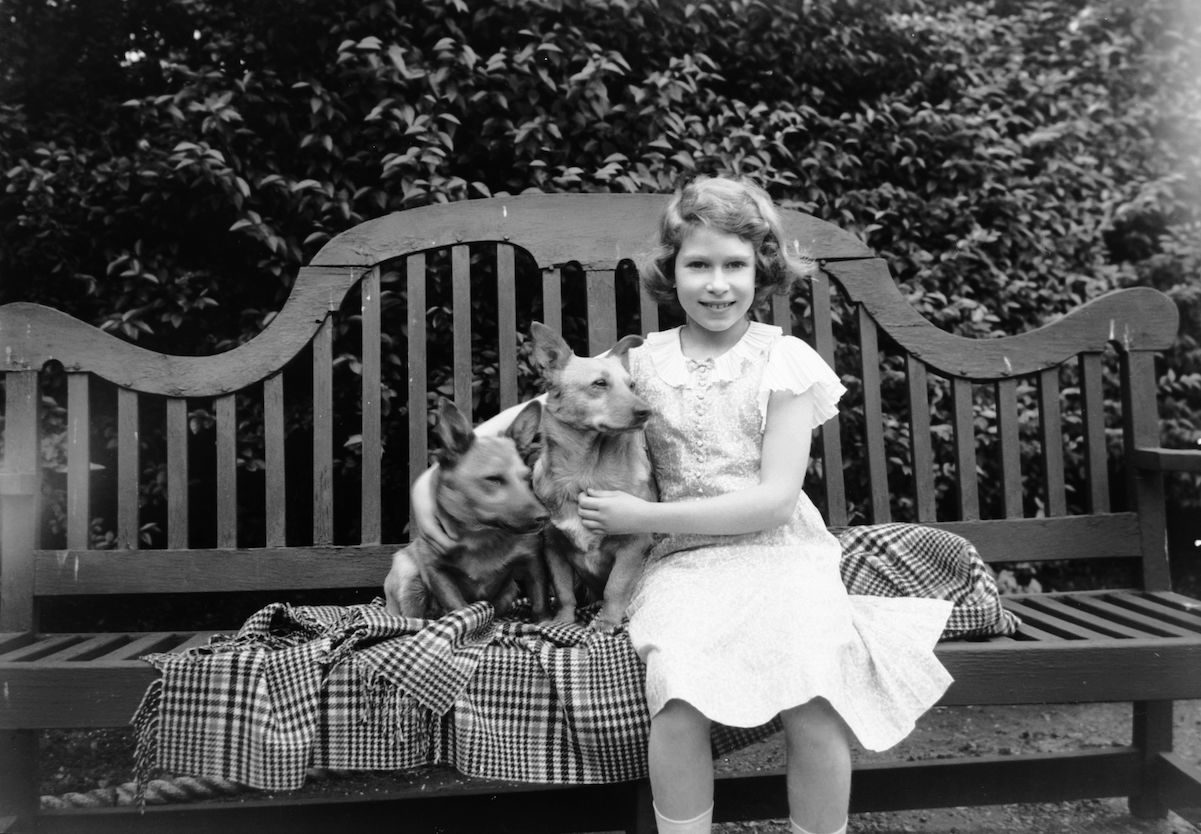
(895,560)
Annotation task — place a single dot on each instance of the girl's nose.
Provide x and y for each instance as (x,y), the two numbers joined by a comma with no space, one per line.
(717,281)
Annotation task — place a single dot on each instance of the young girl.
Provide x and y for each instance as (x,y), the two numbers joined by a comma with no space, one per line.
(741,614)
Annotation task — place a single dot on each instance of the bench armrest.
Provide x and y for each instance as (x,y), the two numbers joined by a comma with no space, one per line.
(1159,459)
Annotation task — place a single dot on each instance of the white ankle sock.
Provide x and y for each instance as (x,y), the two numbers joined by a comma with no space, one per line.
(796,829)
(702,823)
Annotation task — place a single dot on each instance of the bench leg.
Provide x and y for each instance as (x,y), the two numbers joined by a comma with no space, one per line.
(18,780)
(1152,735)
(643,812)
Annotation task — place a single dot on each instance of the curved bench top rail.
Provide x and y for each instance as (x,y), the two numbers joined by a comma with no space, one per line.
(1138,318)
(597,231)
(32,335)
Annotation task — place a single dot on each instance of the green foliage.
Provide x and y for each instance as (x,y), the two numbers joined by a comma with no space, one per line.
(168,166)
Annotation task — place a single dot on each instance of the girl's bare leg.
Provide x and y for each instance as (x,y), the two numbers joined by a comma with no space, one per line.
(819,767)
(681,767)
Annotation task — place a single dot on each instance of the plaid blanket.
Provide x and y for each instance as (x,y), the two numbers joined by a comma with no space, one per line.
(355,688)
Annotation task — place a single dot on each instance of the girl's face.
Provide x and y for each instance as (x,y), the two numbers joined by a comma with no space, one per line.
(715,279)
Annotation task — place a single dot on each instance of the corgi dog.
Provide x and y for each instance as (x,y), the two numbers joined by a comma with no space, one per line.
(592,438)
(482,494)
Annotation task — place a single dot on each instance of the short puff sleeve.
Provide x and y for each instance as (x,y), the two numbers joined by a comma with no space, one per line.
(796,367)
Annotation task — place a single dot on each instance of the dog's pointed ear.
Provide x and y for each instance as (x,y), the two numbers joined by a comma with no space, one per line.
(551,352)
(622,349)
(526,432)
(455,433)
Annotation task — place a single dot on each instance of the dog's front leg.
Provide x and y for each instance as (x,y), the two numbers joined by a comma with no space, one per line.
(628,555)
(445,591)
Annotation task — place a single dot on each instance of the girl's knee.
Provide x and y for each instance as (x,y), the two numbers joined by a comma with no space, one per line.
(680,717)
(815,723)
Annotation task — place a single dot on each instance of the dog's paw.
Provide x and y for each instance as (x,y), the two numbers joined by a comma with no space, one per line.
(603,626)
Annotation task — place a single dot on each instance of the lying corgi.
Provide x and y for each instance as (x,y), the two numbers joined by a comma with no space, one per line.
(482,495)
(591,439)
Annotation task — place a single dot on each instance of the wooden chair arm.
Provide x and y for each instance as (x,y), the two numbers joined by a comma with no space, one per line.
(1158,459)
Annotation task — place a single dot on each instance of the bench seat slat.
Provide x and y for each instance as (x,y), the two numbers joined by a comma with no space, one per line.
(1117,614)
(1047,621)
(1086,619)
(1155,608)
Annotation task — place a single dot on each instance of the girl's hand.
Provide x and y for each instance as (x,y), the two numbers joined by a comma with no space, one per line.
(609,511)
(423,520)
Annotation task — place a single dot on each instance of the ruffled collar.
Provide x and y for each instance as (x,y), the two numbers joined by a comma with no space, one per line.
(676,369)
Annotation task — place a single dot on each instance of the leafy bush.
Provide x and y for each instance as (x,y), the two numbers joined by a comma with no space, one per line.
(168,166)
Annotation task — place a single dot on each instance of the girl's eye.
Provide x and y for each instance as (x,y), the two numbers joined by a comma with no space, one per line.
(733,265)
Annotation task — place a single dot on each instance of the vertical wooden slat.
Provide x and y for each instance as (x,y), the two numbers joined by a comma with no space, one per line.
(649,310)
(1051,427)
(79,461)
(781,312)
(1010,448)
(1092,402)
(506,331)
(416,350)
(127,469)
(227,471)
(177,473)
(873,415)
(273,450)
(831,430)
(602,311)
(552,299)
(19,500)
(323,434)
(919,440)
(460,268)
(1140,423)
(372,449)
(963,424)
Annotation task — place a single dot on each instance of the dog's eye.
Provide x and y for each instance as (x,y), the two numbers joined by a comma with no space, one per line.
(601,383)
(499,480)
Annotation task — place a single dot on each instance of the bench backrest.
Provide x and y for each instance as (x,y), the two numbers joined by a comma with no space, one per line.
(284,464)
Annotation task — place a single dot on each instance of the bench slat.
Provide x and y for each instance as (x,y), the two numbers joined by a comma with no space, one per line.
(1051,427)
(1153,607)
(506,325)
(79,461)
(552,298)
(127,469)
(323,434)
(964,430)
(275,508)
(418,395)
(921,451)
(831,430)
(873,415)
(1085,619)
(1118,614)
(601,293)
(227,471)
(88,648)
(1010,448)
(1095,458)
(460,273)
(177,472)
(371,431)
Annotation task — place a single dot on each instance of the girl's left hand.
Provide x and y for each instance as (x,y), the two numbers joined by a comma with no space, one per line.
(610,511)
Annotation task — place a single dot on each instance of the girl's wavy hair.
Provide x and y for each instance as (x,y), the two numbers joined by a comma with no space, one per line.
(735,207)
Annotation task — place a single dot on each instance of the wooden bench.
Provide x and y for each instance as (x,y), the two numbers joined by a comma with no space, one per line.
(1003,441)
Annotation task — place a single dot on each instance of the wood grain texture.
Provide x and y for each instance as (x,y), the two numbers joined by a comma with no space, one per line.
(19,507)
(31,335)
(597,231)
(1138,318)
(79,461)
(372,445)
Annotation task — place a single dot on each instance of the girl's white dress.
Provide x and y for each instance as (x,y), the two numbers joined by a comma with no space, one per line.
(744,626)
